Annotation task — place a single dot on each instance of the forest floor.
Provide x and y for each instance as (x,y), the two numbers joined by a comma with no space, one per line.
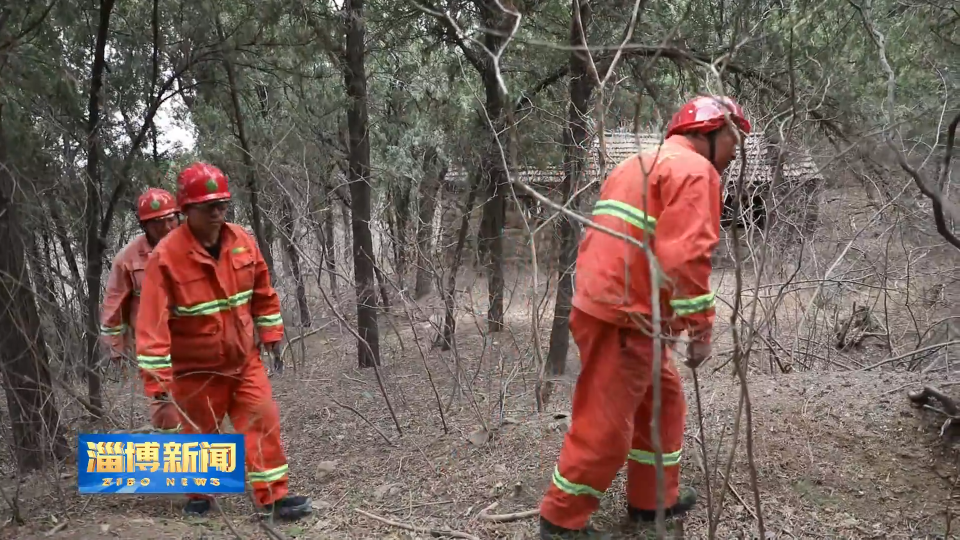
(839,451)
(838,454)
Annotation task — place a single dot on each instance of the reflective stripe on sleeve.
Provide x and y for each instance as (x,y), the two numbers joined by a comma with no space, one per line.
(697,304)
(269,320)
(634,216)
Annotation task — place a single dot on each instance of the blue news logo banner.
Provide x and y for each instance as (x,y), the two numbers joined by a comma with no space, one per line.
(145,463)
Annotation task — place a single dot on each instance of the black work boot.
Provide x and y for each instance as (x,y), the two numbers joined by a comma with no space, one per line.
(686,500)
(196,507)
(549,531)
(291,508)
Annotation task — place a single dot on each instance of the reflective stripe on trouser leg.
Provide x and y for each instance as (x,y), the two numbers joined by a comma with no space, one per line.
(641,468)
(609,389)
(571,488)
(255,414)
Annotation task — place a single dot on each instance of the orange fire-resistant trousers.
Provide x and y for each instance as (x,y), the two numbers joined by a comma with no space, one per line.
(205,398)
(610,424)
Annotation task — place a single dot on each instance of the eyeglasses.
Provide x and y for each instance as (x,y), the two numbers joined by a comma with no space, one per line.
(213,207)
(172,218)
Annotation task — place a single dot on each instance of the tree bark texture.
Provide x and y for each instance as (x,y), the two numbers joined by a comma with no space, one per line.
(94,244)
(400,209)
(355,79)
(27,384)
(574,166)
(324,230)
(445,338)
(287,239)
(263,239)
(434,171)
(492,165)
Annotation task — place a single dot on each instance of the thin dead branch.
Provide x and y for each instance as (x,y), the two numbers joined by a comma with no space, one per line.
(364,418)
(416,529)
(485,515)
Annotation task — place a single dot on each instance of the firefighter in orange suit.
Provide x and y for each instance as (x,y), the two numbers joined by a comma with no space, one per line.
(206,292)
(158,214)
(675,210)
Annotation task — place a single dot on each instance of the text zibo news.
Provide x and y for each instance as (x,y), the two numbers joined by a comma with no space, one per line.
(154,463)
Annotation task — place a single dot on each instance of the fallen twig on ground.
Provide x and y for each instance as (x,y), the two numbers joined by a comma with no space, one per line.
(226,519)
(364,418)
(911,353)
(414,528)
(277,535)
(485,515)
(59,527)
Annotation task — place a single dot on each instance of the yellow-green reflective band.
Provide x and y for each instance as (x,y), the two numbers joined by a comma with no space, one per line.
(271,475)
(688,306)
(214,306)
(648,458)
(153,362)
(569,487)
(624,211)
(168,431)
(112,330)
(269,320)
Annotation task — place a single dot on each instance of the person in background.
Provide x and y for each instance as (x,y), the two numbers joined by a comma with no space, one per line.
(158,214)
(669,199)
(206,292)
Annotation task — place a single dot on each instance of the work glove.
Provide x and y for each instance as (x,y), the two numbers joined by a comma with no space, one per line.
(273,350)
(163,413)
(698,352)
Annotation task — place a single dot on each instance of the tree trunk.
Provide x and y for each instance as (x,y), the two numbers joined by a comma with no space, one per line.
(251,169)
(400,197)
(324,229)
(445,338)
(433,174)
(355,79)
(40,262)
(44,288)
(35,419)
(382,284)
(330,249)
(94,244)
(63,238)
(492,165)
(289,230)
(574,165)
(347,222)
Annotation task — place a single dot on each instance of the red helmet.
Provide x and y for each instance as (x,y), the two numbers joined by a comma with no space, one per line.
(155,203)
(201,182)
(705,114)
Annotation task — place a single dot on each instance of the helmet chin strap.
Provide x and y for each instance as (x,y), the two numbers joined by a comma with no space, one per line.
(712,140)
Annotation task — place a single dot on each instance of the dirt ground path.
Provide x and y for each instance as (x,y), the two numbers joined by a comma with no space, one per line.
(838,454)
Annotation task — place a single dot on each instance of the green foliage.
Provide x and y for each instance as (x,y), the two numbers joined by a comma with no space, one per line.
(423,90)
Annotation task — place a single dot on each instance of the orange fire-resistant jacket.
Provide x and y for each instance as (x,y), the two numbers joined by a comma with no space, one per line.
(197,314)
(118,313)
(677,212)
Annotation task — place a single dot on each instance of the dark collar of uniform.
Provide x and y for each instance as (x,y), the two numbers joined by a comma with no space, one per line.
(228,241)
